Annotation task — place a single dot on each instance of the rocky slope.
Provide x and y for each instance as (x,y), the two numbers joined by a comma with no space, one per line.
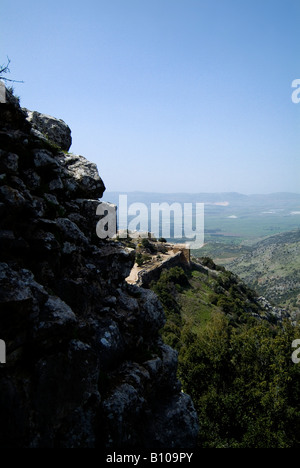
(272,268)
(86,366)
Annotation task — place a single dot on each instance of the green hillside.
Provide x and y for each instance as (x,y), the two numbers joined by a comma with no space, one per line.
(272,268)
(234,359)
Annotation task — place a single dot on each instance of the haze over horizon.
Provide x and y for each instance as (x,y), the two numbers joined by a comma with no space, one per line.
(166,96)
(199,193)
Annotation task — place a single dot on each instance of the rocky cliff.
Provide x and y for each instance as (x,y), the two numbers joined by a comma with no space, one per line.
(86,366)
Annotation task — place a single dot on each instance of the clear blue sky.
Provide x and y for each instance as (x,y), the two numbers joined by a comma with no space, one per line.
(166,95)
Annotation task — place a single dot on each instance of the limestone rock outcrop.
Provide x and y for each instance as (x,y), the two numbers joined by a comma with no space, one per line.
(56,130)
(86,366)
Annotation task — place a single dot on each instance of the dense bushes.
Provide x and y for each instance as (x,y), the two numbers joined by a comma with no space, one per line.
(141,259)
(237,369)
(244,384)
(170,282)
(209,263)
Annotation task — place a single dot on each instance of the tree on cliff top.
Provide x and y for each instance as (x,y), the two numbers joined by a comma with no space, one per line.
(4,70)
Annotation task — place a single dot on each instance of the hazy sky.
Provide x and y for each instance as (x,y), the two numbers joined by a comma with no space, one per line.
(166,95)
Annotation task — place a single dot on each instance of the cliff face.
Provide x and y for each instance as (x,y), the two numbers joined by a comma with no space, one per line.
(86,366)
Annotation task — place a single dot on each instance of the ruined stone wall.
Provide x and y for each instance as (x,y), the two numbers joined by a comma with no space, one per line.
(145,277)
(186,253)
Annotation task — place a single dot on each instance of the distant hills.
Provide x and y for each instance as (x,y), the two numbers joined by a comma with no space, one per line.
(272,268)
(276,200)
(231,217)
(256,237)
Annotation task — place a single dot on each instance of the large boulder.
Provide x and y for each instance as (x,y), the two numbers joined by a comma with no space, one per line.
(56,130)
(82,179)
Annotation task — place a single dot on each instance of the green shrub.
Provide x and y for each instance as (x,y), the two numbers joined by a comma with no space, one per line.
(141,259)
(244,384)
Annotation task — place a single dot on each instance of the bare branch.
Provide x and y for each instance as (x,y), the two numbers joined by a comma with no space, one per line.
(10,81)
(4,69)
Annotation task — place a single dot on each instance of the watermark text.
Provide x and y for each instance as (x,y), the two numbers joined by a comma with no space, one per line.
(176,221)
(2,93)
(296,353)
(162,457)
(296,93)
(2,352)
